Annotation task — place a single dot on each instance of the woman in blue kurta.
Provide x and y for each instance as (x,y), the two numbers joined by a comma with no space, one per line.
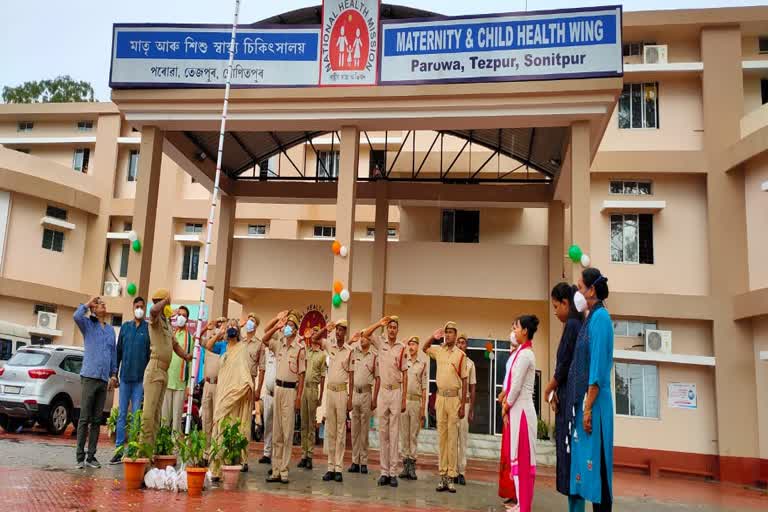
(589,388)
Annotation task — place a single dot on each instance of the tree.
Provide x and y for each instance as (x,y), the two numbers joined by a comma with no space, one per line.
(62,89)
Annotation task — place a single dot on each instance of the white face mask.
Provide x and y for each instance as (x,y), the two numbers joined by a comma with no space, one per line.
(138,313)
(181,321)
(513,339)
(579,302)
(250,326)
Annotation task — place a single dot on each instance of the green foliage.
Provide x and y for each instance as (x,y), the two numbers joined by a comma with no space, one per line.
(192,448)
(112,420)
(542,430)
(133,448)
(232,442)
(62,89)
(164,440)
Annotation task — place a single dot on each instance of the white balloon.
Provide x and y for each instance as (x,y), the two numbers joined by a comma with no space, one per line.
(343,251)
(132,236)
(344,295)
(585,261)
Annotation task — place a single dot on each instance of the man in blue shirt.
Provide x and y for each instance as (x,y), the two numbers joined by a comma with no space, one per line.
(98,375)
(132,359)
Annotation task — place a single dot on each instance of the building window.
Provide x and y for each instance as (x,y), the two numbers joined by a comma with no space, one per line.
(763,91)
(762,44)
(269,168)
(127,226)
(84,126)
(630,188)
(193,228)
(56,213)
(637,390)
(133,165)
(634,48)
(328,164)
(631,328)
(23,150)
(370,232)
(117,320)
(53,240)
(461,226)
(24,126)
(47,308)
(80,159)
(191,262)
(124,254)
(257,229)
(324,232)
(632,238)
(377,163)
(638,106)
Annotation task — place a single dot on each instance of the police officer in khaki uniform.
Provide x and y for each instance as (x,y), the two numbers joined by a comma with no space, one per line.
(210,373)
(338,401)
(416,401)
(161,344)
(389,394)
(364,366)
(289,385)
(451,392)
(312,397)
(469,412)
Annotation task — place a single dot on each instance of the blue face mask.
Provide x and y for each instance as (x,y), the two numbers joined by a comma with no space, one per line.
(250,326)
(287,331)
(232,332)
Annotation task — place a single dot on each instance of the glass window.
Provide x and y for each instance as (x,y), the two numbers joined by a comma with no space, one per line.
(6,349)
(632,238)
(190,227)
(324,231)
(117,320)
(633,188)
(127,226)
(24,126)
(630,187)
(762,44)
(80,159)
(72,364)
(461,226)
(644,188)
(391,233)
(257,229)
(53,240)
(190,263)
(56,213)
(377,163)
(328,164)
(269,168)
(84,126)
(124,255)
(619,327)
(638,106)
(370,232)
(616,187)
(133,165)
(635,329)
(29,358)
(47,308)
(637,390)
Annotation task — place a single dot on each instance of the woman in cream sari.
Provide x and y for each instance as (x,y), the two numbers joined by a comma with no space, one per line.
(234,393)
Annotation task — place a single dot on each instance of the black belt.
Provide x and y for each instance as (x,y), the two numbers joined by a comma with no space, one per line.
(283,384)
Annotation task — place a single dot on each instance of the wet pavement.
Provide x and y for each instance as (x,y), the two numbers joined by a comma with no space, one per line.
(37,473)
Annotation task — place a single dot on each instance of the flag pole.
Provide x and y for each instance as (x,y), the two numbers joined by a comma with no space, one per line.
(211,216)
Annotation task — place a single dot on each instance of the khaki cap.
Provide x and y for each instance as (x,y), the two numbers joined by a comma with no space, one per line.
(293,317)
(342,323)
(462,336)
(414,339)
(451,325)
(160,294)
(394,318)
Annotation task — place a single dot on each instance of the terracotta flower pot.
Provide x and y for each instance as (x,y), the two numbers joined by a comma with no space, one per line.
(195,480)
(163,461)
(231,477)
(133,470)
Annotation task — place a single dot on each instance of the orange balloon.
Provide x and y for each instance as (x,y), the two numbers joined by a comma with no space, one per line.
(489,347)
(336,247)
(337,286)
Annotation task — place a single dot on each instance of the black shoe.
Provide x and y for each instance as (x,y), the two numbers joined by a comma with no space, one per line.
(412,471)
(328,476)
(354,468)
(383,480)
(393,481)
(406,465)
(284,480)
(364,469)
(302,463)
(273,478)
(443,485)
(308,464)
(117,459)
(461,480)
(92,463)
(244,469)
(337,476)
(265,460)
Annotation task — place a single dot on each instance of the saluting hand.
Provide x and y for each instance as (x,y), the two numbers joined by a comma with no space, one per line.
(384,321)
(438,334)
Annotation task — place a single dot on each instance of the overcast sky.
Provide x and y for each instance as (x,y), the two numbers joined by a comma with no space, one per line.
(45,38)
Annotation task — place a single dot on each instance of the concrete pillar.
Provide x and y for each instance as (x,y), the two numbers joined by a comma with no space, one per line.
(225,230)
(556,235)
(580,190)
(345,215)
(145,211)
(379,274)
(735,383)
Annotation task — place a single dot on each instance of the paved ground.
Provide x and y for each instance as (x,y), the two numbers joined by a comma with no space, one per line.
(37,473)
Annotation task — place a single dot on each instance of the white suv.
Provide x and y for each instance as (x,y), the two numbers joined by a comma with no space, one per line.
(41,384)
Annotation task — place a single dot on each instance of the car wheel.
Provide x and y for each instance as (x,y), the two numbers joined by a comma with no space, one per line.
(9,424)
(58,418)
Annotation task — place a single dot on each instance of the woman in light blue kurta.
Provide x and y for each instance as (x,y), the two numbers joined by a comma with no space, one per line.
(589,384)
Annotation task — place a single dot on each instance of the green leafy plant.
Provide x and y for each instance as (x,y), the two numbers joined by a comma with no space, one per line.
(62,89)
(164,440)
(542,430)
(232,442)
(133,448)
(112,421)
(192,448)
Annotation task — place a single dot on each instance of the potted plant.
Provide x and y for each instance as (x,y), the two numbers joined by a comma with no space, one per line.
(164,455)
(191,449)
(112,422)
(542,430)
(135,454)
(232,443)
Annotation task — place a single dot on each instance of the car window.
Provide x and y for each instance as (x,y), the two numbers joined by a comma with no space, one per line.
(72,364)
(6,349)
(29,358)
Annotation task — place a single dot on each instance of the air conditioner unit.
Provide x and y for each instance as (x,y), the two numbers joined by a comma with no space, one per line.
(111,288)
(46,320)
(655,54)
(659,342)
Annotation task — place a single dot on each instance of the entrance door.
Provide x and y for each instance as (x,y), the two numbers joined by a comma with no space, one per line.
(483,413)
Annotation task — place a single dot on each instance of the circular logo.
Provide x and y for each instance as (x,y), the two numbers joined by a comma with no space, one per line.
(349,44)
(312,318)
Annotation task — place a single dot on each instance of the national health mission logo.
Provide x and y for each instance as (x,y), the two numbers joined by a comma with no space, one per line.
(349,42)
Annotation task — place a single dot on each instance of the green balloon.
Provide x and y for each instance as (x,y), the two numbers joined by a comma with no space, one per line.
(336,300)
(131,289)
(488,355)
(137,245)
(574,252)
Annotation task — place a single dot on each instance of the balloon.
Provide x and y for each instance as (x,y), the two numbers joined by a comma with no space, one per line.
(131,289)
(574,252)
(337,287)
(344,295)
(132,236)
(488,355)
(336,300)
(137,245)
(491,356)
(343,251)
(489,347)
(585,261)
(336,247)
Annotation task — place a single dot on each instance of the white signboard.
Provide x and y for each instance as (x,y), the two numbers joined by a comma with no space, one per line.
(153,55)
(350,42)
(682,395)
(578,43)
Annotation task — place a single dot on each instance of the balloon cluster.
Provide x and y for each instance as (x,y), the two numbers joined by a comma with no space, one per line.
(340,294)
(577,256)
(135,242)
